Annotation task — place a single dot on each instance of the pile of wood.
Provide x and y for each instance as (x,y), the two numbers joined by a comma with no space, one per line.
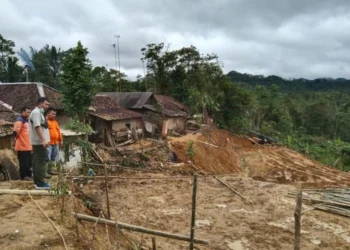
(333,200)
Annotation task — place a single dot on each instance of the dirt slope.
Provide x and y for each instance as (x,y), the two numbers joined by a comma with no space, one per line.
(214,151)
(219,152)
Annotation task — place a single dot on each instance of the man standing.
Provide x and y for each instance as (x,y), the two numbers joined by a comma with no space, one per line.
(55,139)
(40,137)
(23,145)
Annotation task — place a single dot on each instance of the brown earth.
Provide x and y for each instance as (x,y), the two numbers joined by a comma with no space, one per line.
(262,174)
(219,152)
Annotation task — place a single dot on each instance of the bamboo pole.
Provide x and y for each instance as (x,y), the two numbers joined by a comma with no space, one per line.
(121,225)
(116,166)
(32,192)
(193,217)
(231,188)
(151,177)
(154,244)
(297,219)
(106,187)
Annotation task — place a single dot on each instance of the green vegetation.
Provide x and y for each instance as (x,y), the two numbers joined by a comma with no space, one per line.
(310,116)
(190,149)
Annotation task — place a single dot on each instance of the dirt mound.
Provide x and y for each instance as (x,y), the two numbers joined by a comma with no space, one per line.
(214,151)
(219,152)
(283,165)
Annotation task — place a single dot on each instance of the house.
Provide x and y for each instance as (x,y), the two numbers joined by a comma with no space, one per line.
(162,114)
(22,94)
(174,115)
(6,137)
(113,123)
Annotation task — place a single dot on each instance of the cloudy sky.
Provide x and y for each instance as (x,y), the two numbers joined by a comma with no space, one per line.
(290,38)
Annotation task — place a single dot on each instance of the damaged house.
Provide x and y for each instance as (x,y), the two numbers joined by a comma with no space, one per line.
(161,114)
(113,123)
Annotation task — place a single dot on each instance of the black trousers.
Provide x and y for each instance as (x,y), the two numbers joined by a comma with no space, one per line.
(25,163)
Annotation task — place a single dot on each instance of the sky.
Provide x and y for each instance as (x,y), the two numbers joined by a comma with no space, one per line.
(290,38)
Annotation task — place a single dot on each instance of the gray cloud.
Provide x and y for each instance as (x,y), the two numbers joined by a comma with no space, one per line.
(282,37)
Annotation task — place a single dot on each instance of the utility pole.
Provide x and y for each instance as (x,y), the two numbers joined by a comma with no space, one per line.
(26,71)
(116,64)
(119,75)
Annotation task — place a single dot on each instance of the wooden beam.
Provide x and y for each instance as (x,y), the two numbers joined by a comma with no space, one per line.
(138,228)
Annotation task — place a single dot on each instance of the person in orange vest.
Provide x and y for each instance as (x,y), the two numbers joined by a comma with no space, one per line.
(55,140)
(23,145)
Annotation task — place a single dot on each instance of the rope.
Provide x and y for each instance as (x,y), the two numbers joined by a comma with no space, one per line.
(64,242)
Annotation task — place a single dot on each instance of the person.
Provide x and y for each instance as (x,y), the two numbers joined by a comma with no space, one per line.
(23,145)
(40,137)
(55,140)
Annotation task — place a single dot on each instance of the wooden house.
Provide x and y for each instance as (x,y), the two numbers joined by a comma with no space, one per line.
(113,123)
(161,114)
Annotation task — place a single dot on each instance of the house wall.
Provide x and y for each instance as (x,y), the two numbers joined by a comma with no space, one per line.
(135,123)
(5,142)
(174,124)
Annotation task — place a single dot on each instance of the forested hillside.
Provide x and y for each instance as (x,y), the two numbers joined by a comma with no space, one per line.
(296,85)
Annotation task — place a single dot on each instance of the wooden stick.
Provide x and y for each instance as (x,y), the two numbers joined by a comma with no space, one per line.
(231,189)
(193,217)
(53,224)
(154,245)
(297,218)
(32,192)
(139,229)
(125,143)
(74,208)
(206,143)
(116,166)
(106,187)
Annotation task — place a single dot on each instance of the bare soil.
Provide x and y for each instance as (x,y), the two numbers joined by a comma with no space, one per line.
(162,201)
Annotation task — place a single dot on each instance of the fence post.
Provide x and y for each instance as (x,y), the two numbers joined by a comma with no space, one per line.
(297,218)
(193,217)
(106,187)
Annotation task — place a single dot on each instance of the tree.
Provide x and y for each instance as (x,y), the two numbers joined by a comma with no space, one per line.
(106,80)
(44,65)
(77,85)
(10,71)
